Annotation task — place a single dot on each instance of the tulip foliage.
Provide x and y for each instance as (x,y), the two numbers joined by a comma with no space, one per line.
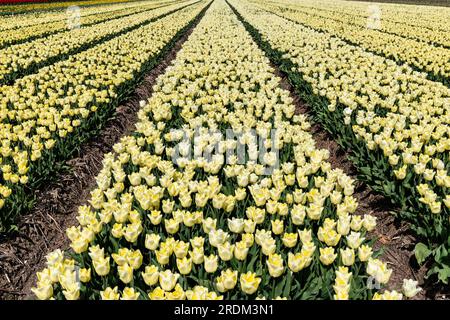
(393,119)
(47,115)
(176,214)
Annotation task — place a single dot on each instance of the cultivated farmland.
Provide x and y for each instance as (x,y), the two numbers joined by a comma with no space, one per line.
(224,149)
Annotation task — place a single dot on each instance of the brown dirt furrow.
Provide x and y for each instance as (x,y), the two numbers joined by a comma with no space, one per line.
(393,238)
(43,229)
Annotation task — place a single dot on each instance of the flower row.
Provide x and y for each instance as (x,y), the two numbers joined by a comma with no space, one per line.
(205,228)
(394,120)
(391,108)
(380,17)
(40,111)
(27,19)
(427,17)
(49,7)
(17,58)
(422,55)
(91,16)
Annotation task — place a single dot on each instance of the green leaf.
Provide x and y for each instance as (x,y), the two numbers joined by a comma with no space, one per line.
(444,274)
(287,287)
(252,262)
(421,252)
(365,170)
(279,287)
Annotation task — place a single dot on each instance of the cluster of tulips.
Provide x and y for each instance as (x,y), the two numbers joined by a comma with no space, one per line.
(404,115)
(394,18)
(18,29)
(16,59)
(402,26)
(417,52)
(394,119)
(53,8)
(180,213)
(42,113)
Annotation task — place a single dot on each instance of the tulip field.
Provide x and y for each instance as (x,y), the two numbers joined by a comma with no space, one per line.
(220,189)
